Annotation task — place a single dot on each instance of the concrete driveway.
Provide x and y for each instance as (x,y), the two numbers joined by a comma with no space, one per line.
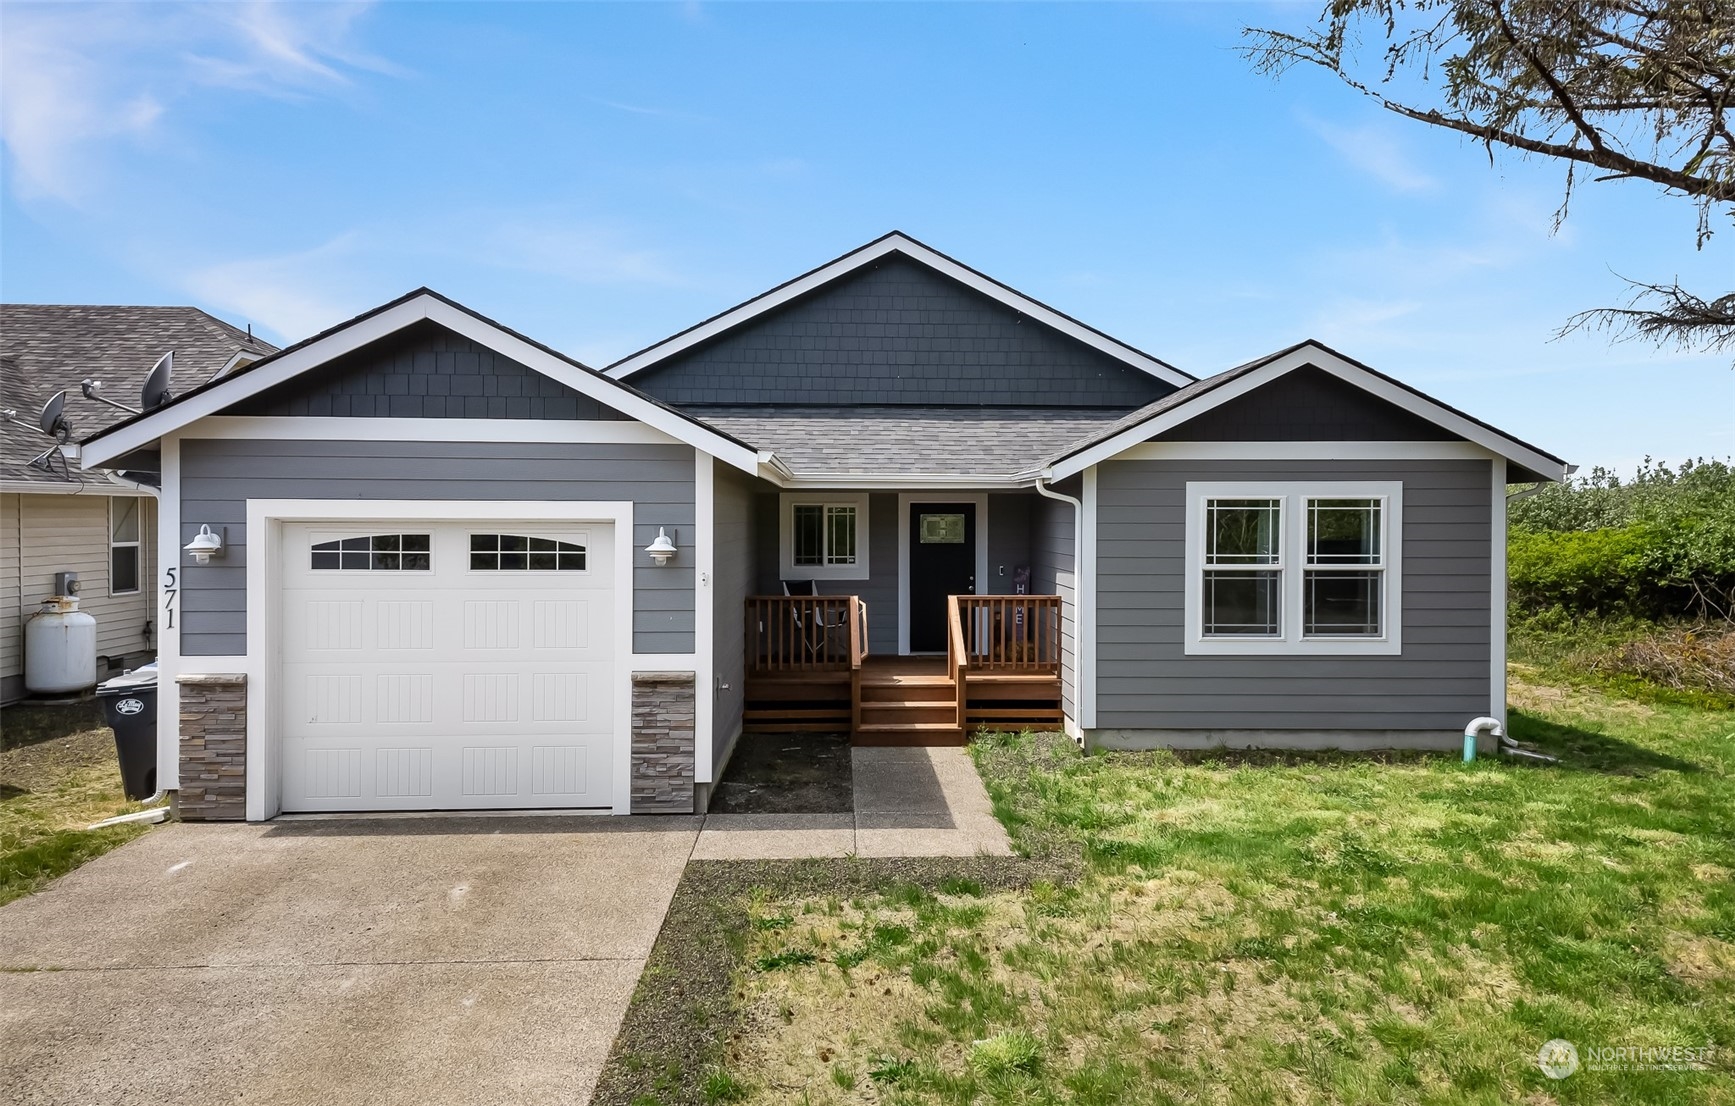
(424,961)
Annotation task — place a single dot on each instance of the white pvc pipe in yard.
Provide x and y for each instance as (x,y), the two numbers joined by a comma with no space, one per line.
(1475,727)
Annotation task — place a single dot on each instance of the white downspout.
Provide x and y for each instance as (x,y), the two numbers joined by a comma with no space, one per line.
(1078,656)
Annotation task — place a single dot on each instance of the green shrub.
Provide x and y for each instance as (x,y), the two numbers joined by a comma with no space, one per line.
(1658,546)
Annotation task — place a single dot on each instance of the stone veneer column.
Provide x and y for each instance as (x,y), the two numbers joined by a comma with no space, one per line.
(663,742)
(213,748)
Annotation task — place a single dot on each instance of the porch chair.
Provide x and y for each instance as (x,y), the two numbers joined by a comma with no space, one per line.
(815,631)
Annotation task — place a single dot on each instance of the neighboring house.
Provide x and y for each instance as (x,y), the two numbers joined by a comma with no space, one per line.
(59,518)
(460,570)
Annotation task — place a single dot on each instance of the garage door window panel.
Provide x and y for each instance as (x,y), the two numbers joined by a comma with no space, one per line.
(373,553)
(524,553)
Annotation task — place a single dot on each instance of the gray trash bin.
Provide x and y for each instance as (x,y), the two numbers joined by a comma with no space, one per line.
(129,705)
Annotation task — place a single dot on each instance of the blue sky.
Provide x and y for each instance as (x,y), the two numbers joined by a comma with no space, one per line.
(599,176)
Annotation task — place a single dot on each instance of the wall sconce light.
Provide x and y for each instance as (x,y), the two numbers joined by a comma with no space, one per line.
(204,546)
(661,548)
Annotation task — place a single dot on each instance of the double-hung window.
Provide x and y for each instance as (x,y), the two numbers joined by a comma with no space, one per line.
(824,537)
(123,544)
(1288,567)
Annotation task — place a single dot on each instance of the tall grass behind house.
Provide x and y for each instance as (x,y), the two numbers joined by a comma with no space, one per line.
(1629,581)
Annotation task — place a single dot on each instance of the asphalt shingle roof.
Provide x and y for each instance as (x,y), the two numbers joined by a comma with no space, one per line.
(907,441)
(45,348)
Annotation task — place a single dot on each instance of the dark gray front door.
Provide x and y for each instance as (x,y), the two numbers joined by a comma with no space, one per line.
(942,564)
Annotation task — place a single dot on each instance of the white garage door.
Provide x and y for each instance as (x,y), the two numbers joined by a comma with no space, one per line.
(446,665)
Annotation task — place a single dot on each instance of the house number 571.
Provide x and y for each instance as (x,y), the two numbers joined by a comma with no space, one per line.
(171,588)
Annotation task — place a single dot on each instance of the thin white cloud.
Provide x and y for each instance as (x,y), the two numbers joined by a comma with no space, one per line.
(77,79)
(655,112)
(1374,150)
(575,251)
(293,295)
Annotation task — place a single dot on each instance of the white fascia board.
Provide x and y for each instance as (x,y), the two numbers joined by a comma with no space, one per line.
(1305,451)
(240,359)
(97,486)
(1325,360)
(906,481)
(616,431)
(897,243)
(376,327)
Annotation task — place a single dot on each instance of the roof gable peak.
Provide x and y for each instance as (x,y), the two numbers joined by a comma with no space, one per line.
(899,243)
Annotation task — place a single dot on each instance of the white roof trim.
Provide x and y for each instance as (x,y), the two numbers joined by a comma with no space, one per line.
(873,251)
(1321,358)
(371,329)
(96,486)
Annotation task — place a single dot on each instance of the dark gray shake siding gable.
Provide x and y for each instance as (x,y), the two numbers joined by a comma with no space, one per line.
(1307,405)
(425,372)
(1146,682)
(219,476)
(898,332)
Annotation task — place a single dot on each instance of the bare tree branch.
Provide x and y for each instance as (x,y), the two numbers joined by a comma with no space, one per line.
(1640,89)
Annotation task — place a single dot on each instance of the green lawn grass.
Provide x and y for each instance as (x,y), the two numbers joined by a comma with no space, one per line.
(51,791)
(1274,929)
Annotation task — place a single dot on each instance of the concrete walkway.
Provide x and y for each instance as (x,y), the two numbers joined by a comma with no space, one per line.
(908,802)
(416,961)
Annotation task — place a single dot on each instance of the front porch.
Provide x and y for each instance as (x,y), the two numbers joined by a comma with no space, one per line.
(809,668)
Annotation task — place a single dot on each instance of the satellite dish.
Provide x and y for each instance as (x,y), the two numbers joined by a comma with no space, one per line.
(156,389)
(52,420)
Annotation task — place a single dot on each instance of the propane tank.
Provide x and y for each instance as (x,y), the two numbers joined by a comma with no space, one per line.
(59,648)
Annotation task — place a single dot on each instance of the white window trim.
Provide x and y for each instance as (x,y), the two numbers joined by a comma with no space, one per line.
(137,545)
(1294,494)
(787,567)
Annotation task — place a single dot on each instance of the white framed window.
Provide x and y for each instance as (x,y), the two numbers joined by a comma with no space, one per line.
(823,537)
(124,527)
(1294,567)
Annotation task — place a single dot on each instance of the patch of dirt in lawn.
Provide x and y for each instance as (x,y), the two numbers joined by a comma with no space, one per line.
(1571,701)
(46,764)
(29,723)
(804,773)
(1700,960)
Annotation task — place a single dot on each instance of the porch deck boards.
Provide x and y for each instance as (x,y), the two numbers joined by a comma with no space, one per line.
(900,701)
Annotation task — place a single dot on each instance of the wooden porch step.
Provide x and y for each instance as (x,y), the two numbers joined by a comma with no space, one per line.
(910,733)
(908,693)
(874,678)
(974,676)
(919,711)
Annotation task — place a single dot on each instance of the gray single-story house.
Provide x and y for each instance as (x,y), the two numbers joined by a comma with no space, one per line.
(420,561)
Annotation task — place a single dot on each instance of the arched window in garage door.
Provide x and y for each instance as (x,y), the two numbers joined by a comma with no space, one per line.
(524,553)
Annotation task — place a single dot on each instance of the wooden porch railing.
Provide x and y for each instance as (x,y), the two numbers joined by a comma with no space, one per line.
(1003,634)
(797,634)
(1008,633)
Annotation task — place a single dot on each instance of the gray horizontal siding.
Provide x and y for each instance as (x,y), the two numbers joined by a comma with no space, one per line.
(897,332)
(219,476)
(1146,681)
(1307,405)
(879,591)
(1008,533)
(425,372)
(733,560)
(1053,534)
